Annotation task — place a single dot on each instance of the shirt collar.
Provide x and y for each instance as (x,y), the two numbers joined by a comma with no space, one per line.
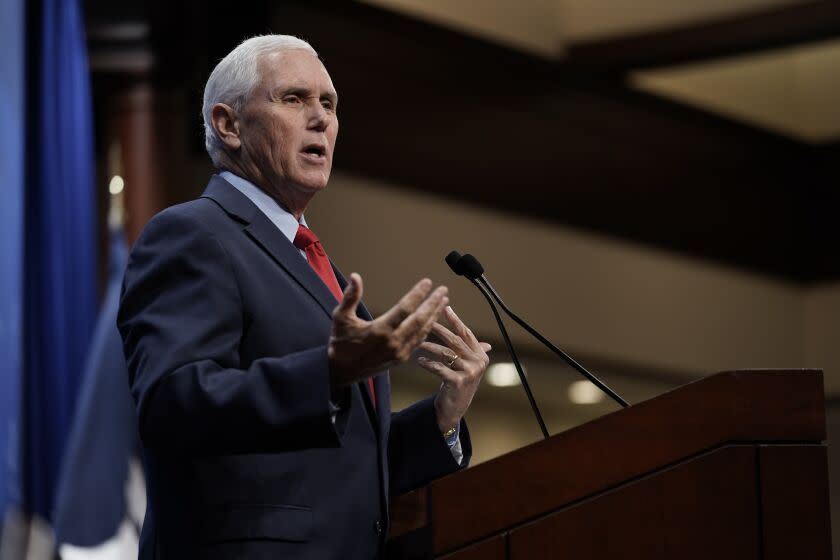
(279,216)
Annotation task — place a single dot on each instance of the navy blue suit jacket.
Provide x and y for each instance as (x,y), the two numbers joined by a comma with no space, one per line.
(225,329)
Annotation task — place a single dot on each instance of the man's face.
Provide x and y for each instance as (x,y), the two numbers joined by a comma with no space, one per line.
(288,126)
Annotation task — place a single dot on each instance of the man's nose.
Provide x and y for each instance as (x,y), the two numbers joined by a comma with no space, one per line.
(319,119)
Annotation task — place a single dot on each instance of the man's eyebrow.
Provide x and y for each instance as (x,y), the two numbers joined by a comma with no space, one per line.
(303,92)
(294,90)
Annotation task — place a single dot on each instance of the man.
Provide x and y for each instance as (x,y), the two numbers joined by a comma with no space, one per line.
(260,379)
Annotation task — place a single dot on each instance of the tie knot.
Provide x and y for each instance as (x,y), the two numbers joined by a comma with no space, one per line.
(304,237)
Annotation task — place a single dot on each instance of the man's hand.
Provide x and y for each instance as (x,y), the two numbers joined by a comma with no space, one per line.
(358,348)
(460,362)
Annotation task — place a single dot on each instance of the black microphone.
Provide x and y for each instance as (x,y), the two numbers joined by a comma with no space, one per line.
(471,267)
(455,262)
(468,266)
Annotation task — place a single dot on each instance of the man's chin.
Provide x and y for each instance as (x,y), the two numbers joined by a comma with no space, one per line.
(314,183)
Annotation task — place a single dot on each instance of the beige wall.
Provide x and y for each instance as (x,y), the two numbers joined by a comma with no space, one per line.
(822,332)
(612,300)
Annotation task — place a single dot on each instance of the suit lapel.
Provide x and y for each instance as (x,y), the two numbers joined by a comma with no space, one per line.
(265,234)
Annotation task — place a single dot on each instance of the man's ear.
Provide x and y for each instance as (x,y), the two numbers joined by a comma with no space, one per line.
(224,120)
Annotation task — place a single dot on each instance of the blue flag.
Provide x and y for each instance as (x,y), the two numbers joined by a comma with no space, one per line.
(91,499)
(60,282)
(12,42)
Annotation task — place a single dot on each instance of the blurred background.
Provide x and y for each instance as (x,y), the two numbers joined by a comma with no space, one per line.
(653,184)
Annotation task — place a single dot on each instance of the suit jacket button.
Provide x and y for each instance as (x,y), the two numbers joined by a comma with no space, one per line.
(379,528)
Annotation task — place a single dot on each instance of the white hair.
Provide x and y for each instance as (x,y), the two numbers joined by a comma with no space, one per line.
(235,77)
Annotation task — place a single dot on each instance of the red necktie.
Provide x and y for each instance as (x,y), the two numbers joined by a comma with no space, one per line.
(308,242)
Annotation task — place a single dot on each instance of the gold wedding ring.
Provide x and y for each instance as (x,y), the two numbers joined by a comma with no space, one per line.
(449,365)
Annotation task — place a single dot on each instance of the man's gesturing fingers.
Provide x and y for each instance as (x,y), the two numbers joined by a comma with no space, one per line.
(462,330)
(413,330)
(451,340)
(460,360)
(352,297)
(408,303)
(438,352)
(357,347)
(416,326)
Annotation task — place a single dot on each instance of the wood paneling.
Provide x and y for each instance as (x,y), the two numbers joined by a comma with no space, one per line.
(677,476)
(794,502)
(709,502)
(491,549)
(735,407)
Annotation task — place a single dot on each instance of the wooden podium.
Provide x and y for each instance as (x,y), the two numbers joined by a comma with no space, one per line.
(731,466)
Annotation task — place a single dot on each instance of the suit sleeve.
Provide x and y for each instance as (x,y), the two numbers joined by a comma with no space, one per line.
(181,321)
(417,452)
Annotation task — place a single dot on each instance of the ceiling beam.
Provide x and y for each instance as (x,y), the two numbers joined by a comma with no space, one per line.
(755,32)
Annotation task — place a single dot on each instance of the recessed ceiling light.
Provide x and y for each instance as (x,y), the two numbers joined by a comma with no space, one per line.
(584,392)
(502,375)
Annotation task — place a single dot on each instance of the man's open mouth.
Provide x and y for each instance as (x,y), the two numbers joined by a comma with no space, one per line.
(315,150)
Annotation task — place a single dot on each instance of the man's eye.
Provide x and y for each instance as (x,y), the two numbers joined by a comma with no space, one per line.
(292,99)
(328,105)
